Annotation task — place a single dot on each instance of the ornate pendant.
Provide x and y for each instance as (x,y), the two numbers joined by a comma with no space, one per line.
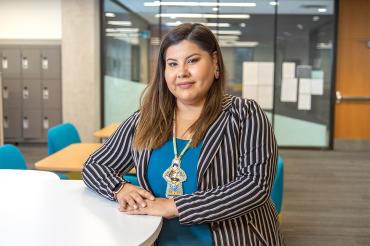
(174,177)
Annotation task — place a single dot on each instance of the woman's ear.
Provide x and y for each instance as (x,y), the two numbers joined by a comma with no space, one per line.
(215,58)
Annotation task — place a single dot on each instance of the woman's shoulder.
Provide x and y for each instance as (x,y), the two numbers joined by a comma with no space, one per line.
(239,106)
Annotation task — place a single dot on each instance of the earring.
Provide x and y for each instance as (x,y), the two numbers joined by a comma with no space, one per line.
(217,73)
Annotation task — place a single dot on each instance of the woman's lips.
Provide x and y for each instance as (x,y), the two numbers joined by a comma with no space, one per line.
(185,85)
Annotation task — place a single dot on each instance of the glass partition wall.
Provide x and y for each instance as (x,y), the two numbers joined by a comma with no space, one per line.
(279,53)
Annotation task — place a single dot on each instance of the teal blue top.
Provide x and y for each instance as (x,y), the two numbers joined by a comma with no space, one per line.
(173,233)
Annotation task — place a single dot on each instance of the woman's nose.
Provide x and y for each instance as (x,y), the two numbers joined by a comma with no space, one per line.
(183,72)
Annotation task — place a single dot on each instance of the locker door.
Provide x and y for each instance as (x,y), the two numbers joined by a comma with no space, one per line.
(31,94)
(51,94)
(11,93)
(31,124)
(50,63)
(31,63)
(12,123)
(11,63)
(51,117)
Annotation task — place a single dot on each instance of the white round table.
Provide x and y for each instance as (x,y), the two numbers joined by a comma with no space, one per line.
(28,175)
(58,212)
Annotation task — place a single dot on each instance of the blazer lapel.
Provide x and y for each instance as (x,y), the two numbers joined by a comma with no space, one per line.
(141,168)
(211,143)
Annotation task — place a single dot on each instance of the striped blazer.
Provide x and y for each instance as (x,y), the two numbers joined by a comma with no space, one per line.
(236,169)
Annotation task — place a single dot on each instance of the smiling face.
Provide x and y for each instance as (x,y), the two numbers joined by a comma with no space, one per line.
(189,72)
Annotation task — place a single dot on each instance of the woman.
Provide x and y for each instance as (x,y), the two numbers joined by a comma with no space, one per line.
(205,161)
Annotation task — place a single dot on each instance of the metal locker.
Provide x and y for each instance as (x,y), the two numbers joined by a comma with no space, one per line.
(11,93)
(31,94)
(50,118)
(31,124)
(51,94)
(31,63)
(12,123)
(11,63)
(50,63)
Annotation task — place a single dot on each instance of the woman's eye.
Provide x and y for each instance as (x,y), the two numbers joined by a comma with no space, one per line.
(193,60)
(172,64)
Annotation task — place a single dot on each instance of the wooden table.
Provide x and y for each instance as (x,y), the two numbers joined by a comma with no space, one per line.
(107,131)
(70,159)
(66,212)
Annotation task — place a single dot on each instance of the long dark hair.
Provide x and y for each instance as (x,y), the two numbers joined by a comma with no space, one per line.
(158,103)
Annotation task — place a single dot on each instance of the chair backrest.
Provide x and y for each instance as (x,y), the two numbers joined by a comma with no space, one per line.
(278,186)
(11,158)
(60,136)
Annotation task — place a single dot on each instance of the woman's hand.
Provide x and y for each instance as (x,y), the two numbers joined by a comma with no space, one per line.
(133,197)
(158,207)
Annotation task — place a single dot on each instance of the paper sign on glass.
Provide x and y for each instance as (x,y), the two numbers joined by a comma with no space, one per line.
(317,87)
(304,102)
(288,70)
(289,90)
(304,86)
(265,73)
(265,97)
(250,92)
(250,73)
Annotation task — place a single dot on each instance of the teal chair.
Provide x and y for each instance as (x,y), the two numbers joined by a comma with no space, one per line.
(11,158)
(278,187)
(60,136)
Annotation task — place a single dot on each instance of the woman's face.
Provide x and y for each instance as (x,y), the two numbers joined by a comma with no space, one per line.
(189,72)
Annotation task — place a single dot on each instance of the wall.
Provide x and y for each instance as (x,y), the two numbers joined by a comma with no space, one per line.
(81,66)
(36,19)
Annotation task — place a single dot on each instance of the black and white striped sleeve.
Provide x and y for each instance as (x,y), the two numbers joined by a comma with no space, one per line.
(256,169)
(104,168)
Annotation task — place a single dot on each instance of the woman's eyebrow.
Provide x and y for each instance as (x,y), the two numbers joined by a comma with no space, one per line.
(173,59)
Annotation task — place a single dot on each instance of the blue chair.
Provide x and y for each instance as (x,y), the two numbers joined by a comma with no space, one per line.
(11,158)
(60,136)
(278,187)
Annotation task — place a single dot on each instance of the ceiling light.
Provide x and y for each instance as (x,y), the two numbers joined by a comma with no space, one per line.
(300,26)
(122,30)
(173,23)
(215,9)
(315,18)
(273,3)
(209,24)
(209,16)
(322,10)
(228,37)
(196,4)
(242,25)
(108,14)
(227,32)
(227,43)
(120,23)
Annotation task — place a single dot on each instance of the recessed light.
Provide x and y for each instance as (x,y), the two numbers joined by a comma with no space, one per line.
(242,24)
(215,9)
(108,14)
(273,3)
(315,18)
(120,23)
(210,16)
(300,26)
(322,10)
(195,4)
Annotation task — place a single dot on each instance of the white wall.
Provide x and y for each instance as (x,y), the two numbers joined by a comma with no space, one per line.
(30,19)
